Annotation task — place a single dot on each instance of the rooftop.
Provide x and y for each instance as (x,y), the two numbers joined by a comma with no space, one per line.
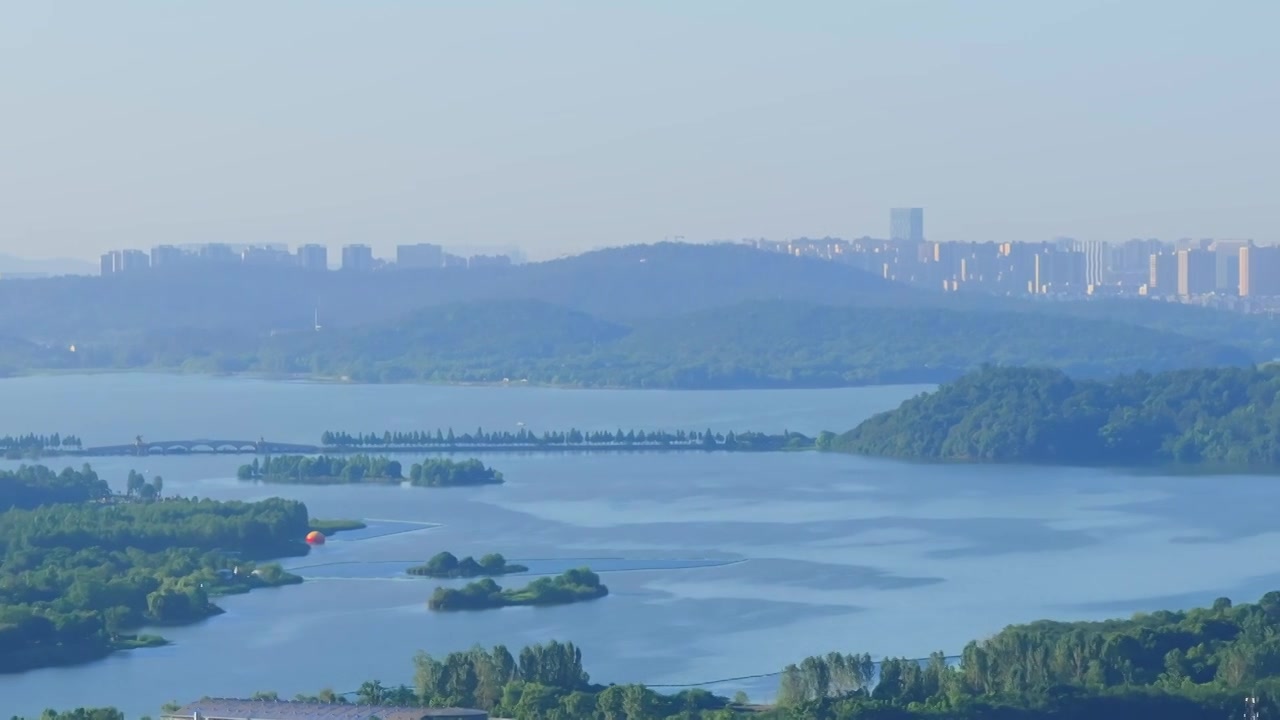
(227,709)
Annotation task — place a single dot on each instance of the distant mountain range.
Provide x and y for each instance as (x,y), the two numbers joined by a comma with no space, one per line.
(11,264)
(666,315)
(621,284)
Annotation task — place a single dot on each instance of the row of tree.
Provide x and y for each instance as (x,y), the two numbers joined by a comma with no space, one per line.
(525,438)
(1219,416)
(31,441)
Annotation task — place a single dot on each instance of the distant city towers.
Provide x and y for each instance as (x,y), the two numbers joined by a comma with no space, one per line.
(906,224)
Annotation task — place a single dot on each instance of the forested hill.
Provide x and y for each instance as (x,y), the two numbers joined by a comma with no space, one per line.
(628,283)
(753,345)
(1226,416)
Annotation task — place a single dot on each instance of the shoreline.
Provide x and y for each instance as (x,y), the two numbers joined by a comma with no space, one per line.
(308,378)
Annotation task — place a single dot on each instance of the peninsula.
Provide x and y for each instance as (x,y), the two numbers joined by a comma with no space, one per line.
(572,586)
(115,563)
(1221,417)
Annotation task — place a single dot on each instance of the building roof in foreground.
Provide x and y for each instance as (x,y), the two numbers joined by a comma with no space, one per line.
(227,709)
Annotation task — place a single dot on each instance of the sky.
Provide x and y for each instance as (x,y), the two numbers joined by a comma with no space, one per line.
(566,125)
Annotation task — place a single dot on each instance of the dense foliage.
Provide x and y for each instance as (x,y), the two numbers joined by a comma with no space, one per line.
(758,345)
(570,586)
(443,472)
(1198,663)
(1224,416)
(31,486)
(323,468)
(447,565)
(573,438)
(75,575)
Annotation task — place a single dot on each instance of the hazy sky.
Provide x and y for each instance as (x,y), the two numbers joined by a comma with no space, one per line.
(564,125)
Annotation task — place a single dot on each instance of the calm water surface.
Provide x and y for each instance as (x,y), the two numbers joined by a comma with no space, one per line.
(720,565)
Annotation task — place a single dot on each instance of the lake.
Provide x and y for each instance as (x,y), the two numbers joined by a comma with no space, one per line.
(719,565)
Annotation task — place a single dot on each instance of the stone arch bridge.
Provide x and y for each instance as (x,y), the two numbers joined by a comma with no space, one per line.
(202,445)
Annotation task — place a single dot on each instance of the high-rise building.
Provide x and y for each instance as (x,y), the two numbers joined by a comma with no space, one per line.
(109,263)
(357,257)
(133,260)
(1163,273)
(118,261)
(166,256)
(218,252)
(1259,271)
(1195,272)
(906,224)
(266,256)
(1096,261)
(1226,254)
(421,255)
(313,257)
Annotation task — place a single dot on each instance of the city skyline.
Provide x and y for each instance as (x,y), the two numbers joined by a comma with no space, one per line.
(563,127)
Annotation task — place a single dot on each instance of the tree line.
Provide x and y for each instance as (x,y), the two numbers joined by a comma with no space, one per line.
(31,486)
(573,438)
(1195,664)
(32,441)
(1188,664)
(1218,416)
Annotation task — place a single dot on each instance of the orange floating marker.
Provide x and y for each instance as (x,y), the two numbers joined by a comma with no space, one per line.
(315,537)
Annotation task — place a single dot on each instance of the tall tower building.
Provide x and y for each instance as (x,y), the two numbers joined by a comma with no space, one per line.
(1196,272)
(1096,257)
(357,257)
(906,224)
(313,257)
(1259,270)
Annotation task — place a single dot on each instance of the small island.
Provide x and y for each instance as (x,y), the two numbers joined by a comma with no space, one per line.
(447,565)
(436,472)
(335,470)
(329,527)
(578,585)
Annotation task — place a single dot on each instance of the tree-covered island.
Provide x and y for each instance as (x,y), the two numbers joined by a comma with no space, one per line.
(572,586)
(80,567)
(1220,417)
(447,565)
(335,470)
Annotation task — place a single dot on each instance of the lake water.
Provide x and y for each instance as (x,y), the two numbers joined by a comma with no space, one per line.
(719,565)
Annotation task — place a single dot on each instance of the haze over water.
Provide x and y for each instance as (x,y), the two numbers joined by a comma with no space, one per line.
(720,565)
